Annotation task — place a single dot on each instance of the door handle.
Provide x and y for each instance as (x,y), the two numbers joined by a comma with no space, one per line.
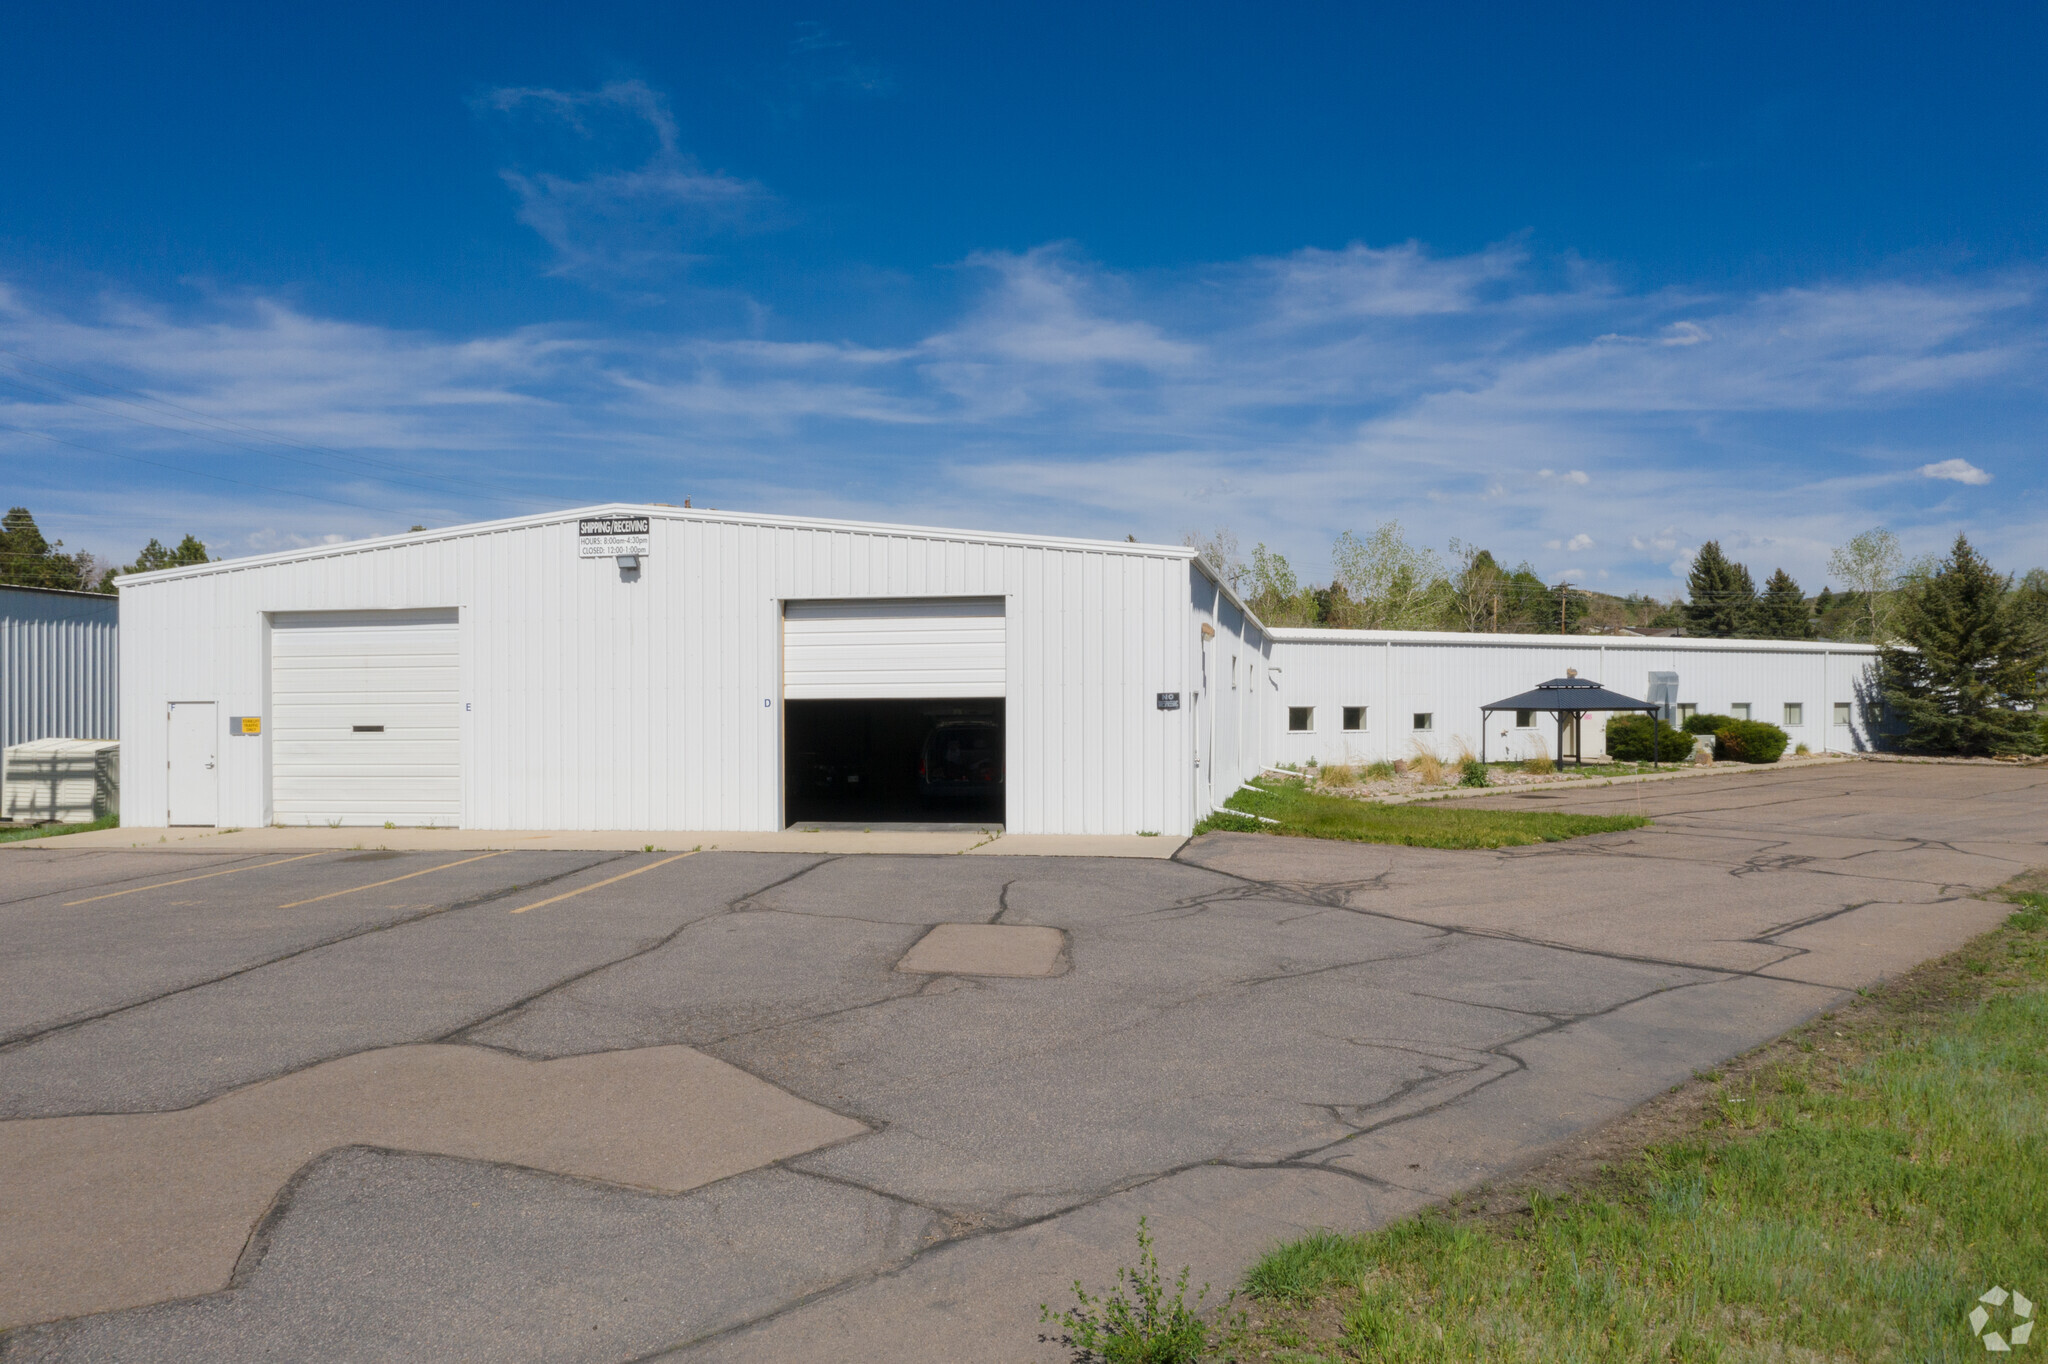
(209,767)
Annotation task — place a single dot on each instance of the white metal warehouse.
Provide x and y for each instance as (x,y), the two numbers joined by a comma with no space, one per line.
(663,668)
(1365,695)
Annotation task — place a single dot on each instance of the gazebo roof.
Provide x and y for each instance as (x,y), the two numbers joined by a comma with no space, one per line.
(1570,693)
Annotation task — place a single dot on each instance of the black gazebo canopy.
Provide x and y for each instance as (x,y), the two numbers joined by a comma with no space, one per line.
(1568,695)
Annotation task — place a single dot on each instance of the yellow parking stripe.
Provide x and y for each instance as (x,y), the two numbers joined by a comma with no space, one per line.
(394,880)
(542,904)
(158,885)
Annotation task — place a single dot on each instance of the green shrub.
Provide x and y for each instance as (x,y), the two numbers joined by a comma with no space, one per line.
(1707,724)
(1639,738)
(1471,772)
(1750,741)
(1135,1322)
(1380,771)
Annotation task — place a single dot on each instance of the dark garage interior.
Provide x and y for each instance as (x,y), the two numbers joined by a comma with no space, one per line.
(894,762)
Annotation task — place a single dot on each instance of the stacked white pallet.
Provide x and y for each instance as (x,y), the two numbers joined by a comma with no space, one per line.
(71,781)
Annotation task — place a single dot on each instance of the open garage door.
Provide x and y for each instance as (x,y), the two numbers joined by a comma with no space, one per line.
(366,718)
(894,711)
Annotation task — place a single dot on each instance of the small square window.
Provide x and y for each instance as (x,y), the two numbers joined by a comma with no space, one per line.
(1739,711)
(1686,710)
(1795,713)
(1525,719)
(1301,719)
(1354,718)
(1841,712)
(1424,720)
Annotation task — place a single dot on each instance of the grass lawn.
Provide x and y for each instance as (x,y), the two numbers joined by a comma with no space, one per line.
(57,830)
(1845,1193)
(1308,814)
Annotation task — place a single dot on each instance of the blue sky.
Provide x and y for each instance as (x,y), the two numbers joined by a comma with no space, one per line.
(1585,284)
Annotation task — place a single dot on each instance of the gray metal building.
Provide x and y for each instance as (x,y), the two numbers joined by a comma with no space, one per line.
(59,665)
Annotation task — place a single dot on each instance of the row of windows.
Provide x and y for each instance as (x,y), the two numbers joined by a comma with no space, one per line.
(1302,719)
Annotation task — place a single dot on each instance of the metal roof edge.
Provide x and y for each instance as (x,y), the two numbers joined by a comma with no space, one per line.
(1229,593)
(475,528)
(61,592)
(1292,634)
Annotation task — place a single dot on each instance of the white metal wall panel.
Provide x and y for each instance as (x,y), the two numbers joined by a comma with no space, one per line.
(59,665)
(1395,674)
(366,717)
(912,649)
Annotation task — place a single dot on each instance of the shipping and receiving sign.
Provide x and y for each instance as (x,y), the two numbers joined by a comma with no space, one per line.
(607,537)
(245,724)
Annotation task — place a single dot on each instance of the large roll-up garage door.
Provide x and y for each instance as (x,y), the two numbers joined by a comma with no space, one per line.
(894,710)
(366,717)
(848,650)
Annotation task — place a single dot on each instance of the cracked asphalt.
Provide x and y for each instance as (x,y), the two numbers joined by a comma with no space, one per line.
(1258,1037)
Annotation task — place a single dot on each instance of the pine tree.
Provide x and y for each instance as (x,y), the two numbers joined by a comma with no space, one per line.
(190,550)
(1966,675)
(1782,613)
(27,559)
(1723,596)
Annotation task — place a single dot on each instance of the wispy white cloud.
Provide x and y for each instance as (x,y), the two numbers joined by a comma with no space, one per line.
(1485,396)
(635,205)
(1956,470)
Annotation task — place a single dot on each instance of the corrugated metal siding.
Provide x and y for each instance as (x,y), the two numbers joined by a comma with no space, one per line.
(865,649)
(595,702)
(333,672)
(1451,676)
(59,666)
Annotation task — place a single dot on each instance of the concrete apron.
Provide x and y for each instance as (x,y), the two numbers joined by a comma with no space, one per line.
(900,842)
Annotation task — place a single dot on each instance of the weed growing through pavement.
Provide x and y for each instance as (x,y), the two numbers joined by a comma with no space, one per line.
(1135,1322)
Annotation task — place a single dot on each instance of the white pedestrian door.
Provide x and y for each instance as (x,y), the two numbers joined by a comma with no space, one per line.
(366,718)
(194,778)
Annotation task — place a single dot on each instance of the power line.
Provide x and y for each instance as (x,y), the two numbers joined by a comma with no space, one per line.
(194,473)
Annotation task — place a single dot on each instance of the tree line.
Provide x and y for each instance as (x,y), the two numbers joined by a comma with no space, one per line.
(1384,582)
(28,559)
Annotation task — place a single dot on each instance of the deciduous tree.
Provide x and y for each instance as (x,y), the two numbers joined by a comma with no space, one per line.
(1869,564)
(1392,584)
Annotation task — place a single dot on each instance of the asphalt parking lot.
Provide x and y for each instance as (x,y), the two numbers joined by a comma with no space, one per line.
(605,1106)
